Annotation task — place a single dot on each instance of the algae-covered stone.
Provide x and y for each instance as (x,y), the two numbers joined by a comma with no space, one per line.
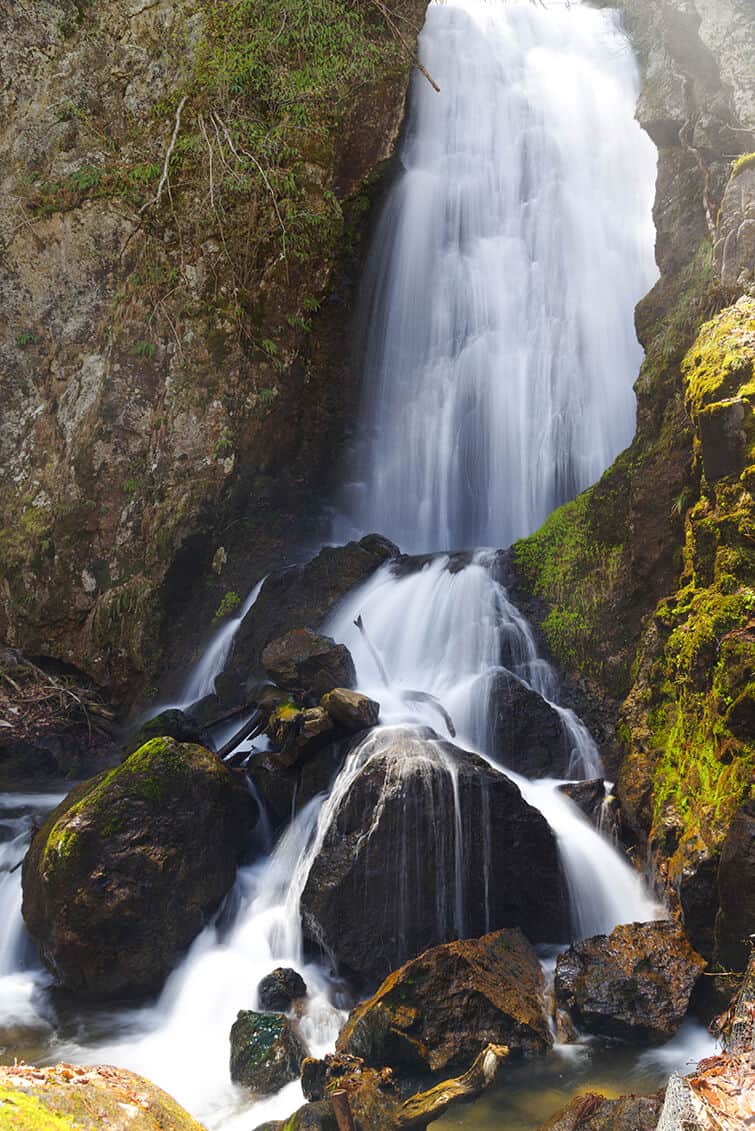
(266,1053)
(130,867)
(592,1111)
(66,1097)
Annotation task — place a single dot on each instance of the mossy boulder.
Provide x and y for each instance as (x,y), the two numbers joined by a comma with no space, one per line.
(66,1097)
(266,1052)
(130,867)
(634,984)
(441,1009)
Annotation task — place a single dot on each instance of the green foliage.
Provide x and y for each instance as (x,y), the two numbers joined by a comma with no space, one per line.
(144,349)
(229,604)
(266,396)
(26,339)
(746,161)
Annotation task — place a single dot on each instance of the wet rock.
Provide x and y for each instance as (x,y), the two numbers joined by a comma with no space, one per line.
(304,660)
(172,723)
(735,921)
(266,1053)
(527,734)
(634,984)
(296,733)
(70,1096)
(278,990)
(129,868)
(350,709)
(587,796)
(592,1111)
(301,596)
(285,790)
(723,437)
(444,1007)
(391,879)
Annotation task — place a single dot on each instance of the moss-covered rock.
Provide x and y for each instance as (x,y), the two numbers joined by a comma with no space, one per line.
(67,1097)
(129,868)
(266,1053)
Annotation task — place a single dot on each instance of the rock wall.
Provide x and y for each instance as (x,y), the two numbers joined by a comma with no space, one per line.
(644,584)
(183,198)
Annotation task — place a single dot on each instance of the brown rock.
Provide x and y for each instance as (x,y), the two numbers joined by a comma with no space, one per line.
(305,660)
(593,1112)
(298,733)
(351,709)
(444,1007)
(634,984)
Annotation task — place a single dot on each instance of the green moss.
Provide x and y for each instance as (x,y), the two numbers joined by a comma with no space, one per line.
(229,604)
(746,161)
(20,1111)
(720,365)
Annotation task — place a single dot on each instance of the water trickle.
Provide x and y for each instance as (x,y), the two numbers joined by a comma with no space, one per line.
(496,324)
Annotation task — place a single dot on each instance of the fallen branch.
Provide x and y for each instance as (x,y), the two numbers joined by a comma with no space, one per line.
(419,1110)
(251,728)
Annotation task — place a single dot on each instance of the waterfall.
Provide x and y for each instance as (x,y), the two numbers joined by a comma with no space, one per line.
(496,326)
(497,355)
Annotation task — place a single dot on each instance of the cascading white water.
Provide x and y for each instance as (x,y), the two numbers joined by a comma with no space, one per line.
(441,631)
(497,309)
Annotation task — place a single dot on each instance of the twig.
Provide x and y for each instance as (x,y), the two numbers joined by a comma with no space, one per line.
(168,155)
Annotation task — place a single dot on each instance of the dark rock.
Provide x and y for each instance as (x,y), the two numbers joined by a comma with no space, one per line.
(350,709)
(129,868)
(297,733)
(311,1117)
(284,791)
(383,886)
(735,920)
(172,723)
(441,1009)
(591,1111)
(304,660)
(692,876)
(314,1074)
(587,796)
(265,1051)
(634,984)
(278,990)
(527,733)
(301,596)
(723,438)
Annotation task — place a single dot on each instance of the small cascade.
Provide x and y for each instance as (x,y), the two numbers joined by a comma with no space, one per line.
(201,679)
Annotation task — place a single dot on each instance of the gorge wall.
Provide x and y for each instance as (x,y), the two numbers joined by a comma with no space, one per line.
(182,206)
(646,580)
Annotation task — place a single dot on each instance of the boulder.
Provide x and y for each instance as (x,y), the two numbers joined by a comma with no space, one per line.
(350,709)
(587,796)
(634,984)
(69,1097)
(296,733)
(168,724)
(426,843)
(304,660)
(735,921)
(278,990)
(296,597)
(443,1008)
(592,1111)
(130,867)
(266,1053)
(527,735)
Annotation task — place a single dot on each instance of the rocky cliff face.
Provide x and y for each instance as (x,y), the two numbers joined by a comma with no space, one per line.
(647,578)
(182,205)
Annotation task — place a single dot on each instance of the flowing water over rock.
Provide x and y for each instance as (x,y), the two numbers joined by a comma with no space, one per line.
(497,311)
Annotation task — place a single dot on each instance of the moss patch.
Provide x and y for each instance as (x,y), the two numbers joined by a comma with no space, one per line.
(20,1111)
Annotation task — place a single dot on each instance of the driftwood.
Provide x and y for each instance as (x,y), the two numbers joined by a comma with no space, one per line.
(342,1110)
(421,1109)
(251,728)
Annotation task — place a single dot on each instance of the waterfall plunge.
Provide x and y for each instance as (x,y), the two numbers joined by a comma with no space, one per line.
(497,306)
